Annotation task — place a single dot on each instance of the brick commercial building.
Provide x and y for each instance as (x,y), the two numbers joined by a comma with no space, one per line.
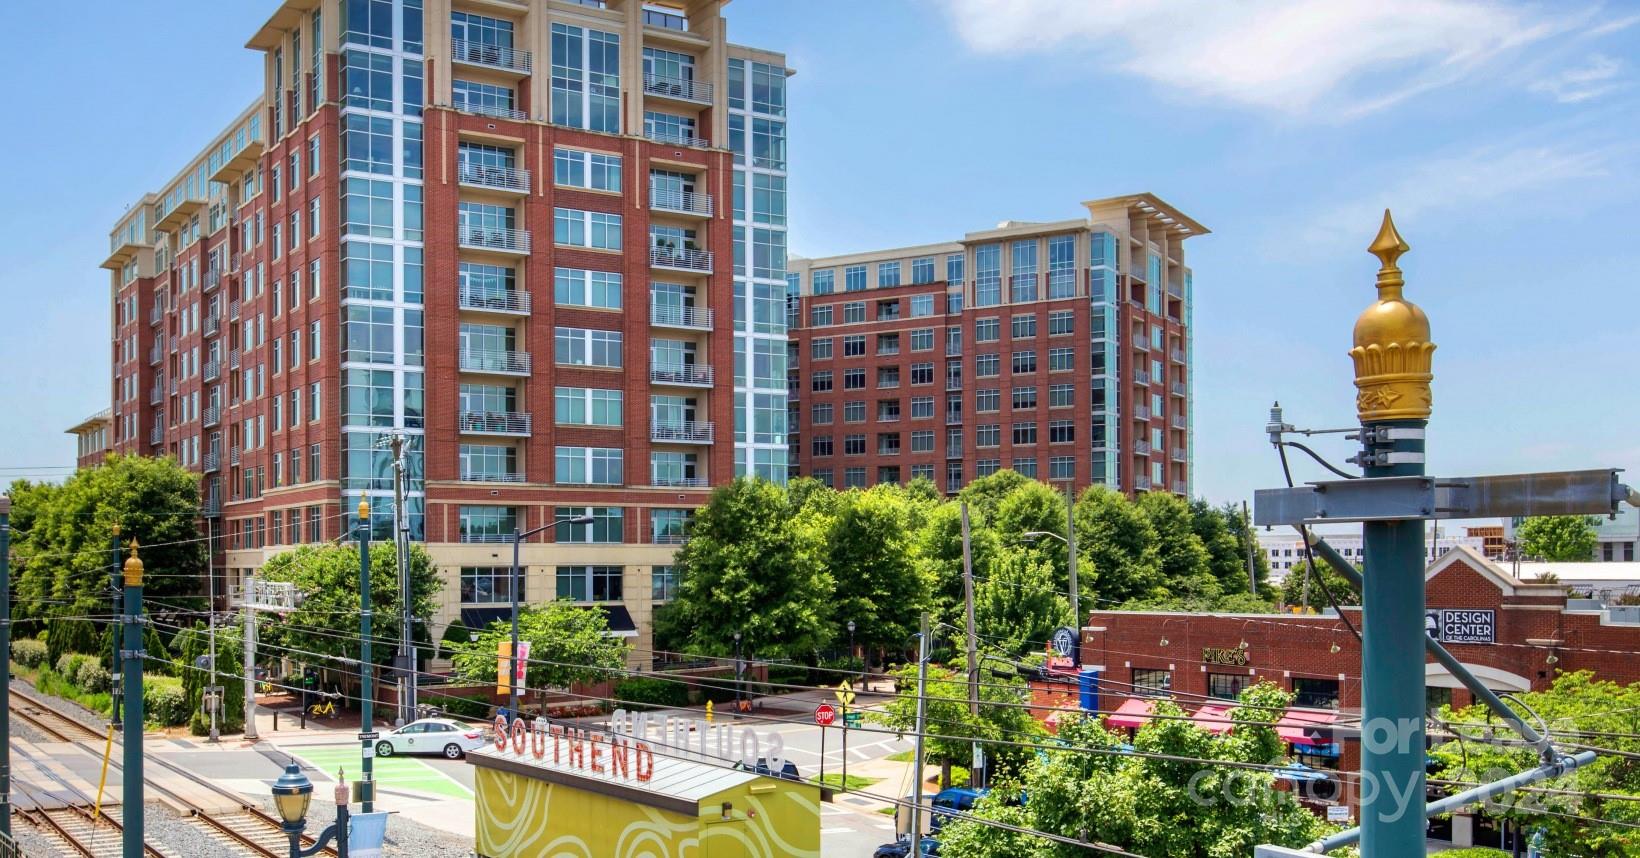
(91,438)
(1514,635)
(501,229)
(1060,350)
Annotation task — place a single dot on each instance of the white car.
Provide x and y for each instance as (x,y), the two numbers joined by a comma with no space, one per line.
(453,739)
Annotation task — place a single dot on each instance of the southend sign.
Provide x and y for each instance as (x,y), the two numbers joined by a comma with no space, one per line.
(1461,625)
(627,749)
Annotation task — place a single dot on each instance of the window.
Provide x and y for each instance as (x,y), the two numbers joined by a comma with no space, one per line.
(822,282)
(854,478)
(587,347)
(593,170)
(489,585)
(1059,360)
(1024,326)
(582,288)
(888,376)
(579,228)
(922,373)
(854,311)
(489,463)
(486,98)
(1025,432)
(1149,682)
(821,414)
(854,379)
(988,399)
(988,435)
(986,366)
(583,406)
(667,526)
(1061,395)
(589,465)
(607,525)
(486,524)
(1061,322)
(953,341)
(1061,431)
(887,310)
(1062,266)
(1024,362)
(888,274)
(988,275)
(589,583)
(922,441)
(820,348)
(987,330)
(888,410)
(922,407)
(854,411)
(1025,467)
(820,317)
(664,579)
(854,345)
(1227,686)
(922,271)
(586,79)
(1024,397)
(888,344)
(821,445)
(922,340)
(987,467)
(854,445)
(820,382)
(854,278)
(1315,693)
(1062,468)
(888,443)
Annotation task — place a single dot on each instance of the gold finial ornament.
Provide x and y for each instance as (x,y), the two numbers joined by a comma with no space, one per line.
(133,567)
(364,510)
(1392,353)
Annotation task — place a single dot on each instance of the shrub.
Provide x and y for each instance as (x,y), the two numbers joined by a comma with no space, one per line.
(165,702)
(92,677)
(1473,852)
(644,692)
(466,707)
(69,664)
(28,652)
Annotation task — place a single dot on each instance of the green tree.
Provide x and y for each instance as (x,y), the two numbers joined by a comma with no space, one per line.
(746,568)
(1292,587)
(1607,789)
(1225,559)
(327,621)
(986,494)
(939,553)
(868,551)
(1121,544)
(569,643)
(1018,605)
(1184,561)
(1558,538)
(1247,545)
(951,729)
(192,645)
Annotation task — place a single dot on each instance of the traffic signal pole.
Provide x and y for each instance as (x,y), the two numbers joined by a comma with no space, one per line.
(367,693)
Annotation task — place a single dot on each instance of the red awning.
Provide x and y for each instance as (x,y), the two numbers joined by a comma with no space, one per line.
(1213,719)
(1295,722)
(1131,715)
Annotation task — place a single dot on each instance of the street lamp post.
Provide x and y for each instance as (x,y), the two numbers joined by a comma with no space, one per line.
(291,794)
(367,665)
(850,638)
(513,587)
(739,669)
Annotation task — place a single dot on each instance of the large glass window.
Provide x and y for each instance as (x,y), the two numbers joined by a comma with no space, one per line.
(586,79)
(367,144)
(667,526)
(488,585)
(586,347)
(489,463)
(589,465)
(369,334)
(582,406)
(486,98)
(1149,682)
(1315,693)
(988,275)
(589,583)
(607,525)
(367,208)
(675,469)
(367,398)
(367,80)
(595,170)
(664,582)
(586,229)
(486,524)
(1227,686)
(582,288)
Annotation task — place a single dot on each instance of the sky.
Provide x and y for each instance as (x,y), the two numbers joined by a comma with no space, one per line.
(1502,134)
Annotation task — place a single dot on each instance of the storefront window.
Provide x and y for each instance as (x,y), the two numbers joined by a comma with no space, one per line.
(1152,683)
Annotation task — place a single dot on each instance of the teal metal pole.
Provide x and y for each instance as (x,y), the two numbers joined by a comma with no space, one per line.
(5,666)
(115,588)
(1392,730)
(131,776)
(367,751)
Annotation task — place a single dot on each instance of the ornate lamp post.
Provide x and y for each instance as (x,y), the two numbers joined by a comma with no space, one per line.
(291,795)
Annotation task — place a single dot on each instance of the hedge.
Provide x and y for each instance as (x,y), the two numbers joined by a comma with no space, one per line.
(28,652)
(164,701)
(92,677)
(657,693)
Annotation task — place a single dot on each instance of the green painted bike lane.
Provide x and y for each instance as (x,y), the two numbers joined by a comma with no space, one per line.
(395,772)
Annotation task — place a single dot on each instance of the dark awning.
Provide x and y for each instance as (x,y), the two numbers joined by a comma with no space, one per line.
(619,619)
(479,619)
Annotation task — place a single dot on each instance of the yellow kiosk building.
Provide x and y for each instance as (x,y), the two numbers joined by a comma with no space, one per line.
(549,792)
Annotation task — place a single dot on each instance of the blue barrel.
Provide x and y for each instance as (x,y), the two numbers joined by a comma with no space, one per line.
(1088,684)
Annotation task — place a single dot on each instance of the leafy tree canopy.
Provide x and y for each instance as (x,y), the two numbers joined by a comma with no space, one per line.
(1558,538)
(569,643)
(327,580)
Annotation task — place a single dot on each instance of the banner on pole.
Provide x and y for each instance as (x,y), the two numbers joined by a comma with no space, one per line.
(365,834)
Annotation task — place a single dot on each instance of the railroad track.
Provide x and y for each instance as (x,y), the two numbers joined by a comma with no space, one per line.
(245,826)
(78,830)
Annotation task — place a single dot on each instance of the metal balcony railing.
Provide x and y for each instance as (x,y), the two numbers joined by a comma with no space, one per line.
(682,89)
(494,110)
(233,359)
(1179,454)
(213,279)
(694,318)
(1137,304)
(672,138)
(1179,422)
(155,313)
(506,301)
(1141,377)
(211,461)
(498,178)
(156,435)
(494,423)
(1137,274)
(686,432)
(174,386)
(683,202)
(1140,342)
(665,20)
(495,360)
(495,238)
(1141,412)
(1141,448)
(1180,487)
(235,455)
(156,352)
(1176,290)
(476,477)
(233,311)
(490,56)
(693,375)
(679,482)
(1177,355)
(212,507)
(683,259)
(156,394)
(1141,483)
(213,415)
(212,324)
(1178,388)
(667,539)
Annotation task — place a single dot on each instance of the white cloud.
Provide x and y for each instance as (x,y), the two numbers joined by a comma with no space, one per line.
(1335,57)
(1582,83)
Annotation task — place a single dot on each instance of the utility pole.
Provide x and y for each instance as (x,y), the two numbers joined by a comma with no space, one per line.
(5,669)
(367,694)
(917,755)
(973,642)
(115,595)
(131,779)
(401,540)
(1252,570)
(1070,548)
(213,692)
(250,662)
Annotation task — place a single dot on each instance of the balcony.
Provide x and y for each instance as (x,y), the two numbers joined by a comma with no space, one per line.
(156,435)
(1175,289)
(1176,355)
(211,461)
(677,89)
(155,314)
(1141,448)
(213,324)
(233,311)
(156,394)
(156,352)
(1141,483)
(1139,275)
(681,482)
(1178,388)
(1140,343)
(1180,487)
(498,239)
(685,432)
(672,139)
(1141,377)
(213,415)
(211,507)
(233,359)
(473,477)
(1180,455)
(665,20)
(494,111)
(1179,422)
(505,179)
(496,57)
(686,375)
(494,423)
(1137,305)
(688,318)
(495,361)
(234,455)
(174,386)
(512,301)
(1141,412)
(244,160)
(669,259)
(685,203)
(213,279)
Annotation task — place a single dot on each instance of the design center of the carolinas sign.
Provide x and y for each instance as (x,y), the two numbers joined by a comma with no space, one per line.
(627,749)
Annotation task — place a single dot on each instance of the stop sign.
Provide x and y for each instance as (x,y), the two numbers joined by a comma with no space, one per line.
(824,714)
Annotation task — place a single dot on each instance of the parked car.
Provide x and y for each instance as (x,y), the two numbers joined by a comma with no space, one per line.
(901,848)
(453,739)
(953,800)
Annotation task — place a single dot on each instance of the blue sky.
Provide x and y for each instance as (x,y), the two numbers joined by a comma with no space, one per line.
(1502,134)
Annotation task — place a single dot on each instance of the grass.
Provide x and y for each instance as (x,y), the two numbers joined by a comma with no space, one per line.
(50,682)
(901,757)
(835,781)
(887,811)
